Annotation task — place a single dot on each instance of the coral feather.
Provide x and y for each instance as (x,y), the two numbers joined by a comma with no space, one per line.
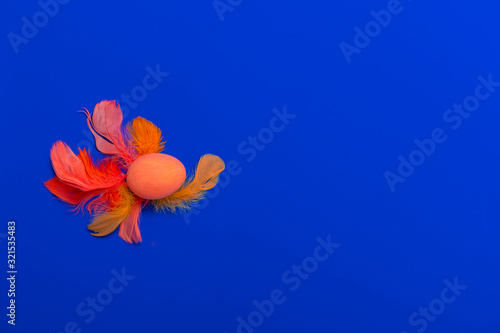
(69,168)
(66,193)
(79,171)
(80,182)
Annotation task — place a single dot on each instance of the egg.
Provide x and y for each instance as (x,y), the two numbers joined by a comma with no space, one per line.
(155,176)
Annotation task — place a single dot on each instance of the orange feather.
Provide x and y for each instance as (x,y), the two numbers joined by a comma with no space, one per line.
(146,137)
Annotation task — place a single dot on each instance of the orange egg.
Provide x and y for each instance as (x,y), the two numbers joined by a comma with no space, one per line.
(155,176)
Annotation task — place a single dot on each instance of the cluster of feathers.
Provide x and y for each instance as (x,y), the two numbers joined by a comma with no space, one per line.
(100,186)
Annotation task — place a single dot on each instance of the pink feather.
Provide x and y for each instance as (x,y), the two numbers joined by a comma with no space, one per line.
(105,123)
(129,228)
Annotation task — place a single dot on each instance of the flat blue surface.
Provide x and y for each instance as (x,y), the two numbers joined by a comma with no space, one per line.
(415,247)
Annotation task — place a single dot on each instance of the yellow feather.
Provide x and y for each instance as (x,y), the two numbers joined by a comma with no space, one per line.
(193,190)
(106,222)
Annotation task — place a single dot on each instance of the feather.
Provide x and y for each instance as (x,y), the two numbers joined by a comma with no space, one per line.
(104,174)
(80,182)
(146,137)
(69,168)
(80,172)
(96,200)
(66,193)
(193,190)
(106,222)
(129,228)
(105,123)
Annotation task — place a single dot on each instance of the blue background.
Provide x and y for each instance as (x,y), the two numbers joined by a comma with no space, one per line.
(322,175)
